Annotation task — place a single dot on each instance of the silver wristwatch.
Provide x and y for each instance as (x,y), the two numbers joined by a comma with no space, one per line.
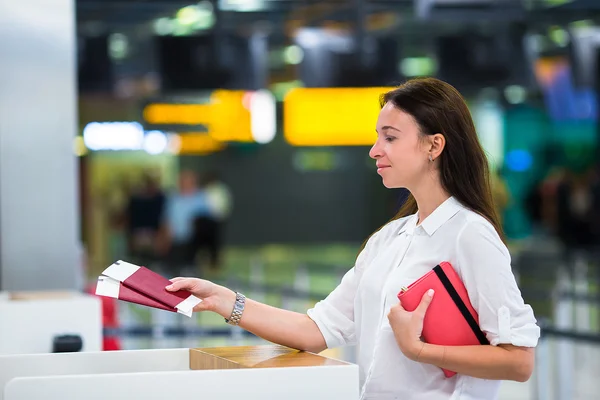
(238,309)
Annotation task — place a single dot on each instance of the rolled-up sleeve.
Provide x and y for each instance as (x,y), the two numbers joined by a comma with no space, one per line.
(484,264)
(335,314)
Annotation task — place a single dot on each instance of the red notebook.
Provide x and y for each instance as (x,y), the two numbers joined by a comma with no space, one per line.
(139,285)
(450,319)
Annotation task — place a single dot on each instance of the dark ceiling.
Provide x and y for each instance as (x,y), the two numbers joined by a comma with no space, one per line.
(399,16)
(122,13)
(400,19)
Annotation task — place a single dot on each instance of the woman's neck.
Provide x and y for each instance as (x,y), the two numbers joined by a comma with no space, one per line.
(429,196)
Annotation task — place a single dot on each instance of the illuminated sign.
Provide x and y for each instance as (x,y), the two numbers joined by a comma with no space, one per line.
(122,136)
(331,116)
(228,116)
(194,143)
(177,114)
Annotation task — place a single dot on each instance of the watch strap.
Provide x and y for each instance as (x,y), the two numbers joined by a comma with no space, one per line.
(238,309)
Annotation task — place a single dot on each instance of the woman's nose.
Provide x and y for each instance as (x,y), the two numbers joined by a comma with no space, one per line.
(375,151)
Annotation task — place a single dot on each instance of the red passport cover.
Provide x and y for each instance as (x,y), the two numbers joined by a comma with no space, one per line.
(122,292)
(153,285)
(450,319)
(139,285)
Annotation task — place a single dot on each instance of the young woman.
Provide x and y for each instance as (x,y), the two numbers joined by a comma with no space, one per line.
(426,143)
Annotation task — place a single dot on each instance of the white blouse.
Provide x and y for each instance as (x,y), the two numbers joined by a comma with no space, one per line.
(356,311)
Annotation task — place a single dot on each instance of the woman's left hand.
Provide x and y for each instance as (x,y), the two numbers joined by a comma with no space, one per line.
(408,326)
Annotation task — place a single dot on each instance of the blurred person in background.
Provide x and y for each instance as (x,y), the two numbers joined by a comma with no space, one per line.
(143,219)
(426,143)
(219,196)
(208,229)
(594,182)
(183,208)
(541,201)
(115,202)
(574,211)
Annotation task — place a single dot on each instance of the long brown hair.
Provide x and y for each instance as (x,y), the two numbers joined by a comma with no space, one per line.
(438,107)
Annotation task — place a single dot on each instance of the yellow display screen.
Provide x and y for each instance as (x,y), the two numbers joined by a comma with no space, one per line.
(331,116)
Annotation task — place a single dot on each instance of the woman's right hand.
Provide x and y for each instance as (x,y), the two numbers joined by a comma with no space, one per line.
(214,297)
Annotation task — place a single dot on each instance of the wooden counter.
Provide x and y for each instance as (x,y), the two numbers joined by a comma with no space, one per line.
(268,356)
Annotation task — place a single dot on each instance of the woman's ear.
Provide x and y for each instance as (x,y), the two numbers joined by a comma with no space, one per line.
(437,144)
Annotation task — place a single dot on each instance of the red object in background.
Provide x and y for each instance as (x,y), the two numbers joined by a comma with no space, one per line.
(110,319)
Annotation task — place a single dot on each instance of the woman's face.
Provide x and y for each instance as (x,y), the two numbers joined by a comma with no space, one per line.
(401,155)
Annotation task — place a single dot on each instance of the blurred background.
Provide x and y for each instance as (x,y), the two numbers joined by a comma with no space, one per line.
(228,140)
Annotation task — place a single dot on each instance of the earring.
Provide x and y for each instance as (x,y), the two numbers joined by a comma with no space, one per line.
(430,158)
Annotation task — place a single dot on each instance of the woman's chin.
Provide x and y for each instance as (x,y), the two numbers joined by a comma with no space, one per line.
(390,185)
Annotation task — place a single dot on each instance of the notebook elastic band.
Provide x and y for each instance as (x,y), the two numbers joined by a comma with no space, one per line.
(460,304)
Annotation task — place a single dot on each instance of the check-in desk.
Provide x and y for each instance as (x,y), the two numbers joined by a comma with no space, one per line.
(29,321)
(244,372)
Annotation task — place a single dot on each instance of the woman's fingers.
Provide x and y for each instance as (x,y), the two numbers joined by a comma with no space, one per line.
(181,284)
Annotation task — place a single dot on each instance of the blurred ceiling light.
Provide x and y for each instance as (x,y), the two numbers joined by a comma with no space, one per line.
(120,136)
(173,143)
(205,16)
(182,30)
(263,116)
(193,18)
(113,136)
(488,117)
(418,66)
(188,15)
(559,36)
(164,26)
(206,5)
(309,37)
(515,94)
(293,55)
(118,46)
(155,142)
(242,5)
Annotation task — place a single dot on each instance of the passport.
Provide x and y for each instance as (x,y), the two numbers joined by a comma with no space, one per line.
(139,285)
